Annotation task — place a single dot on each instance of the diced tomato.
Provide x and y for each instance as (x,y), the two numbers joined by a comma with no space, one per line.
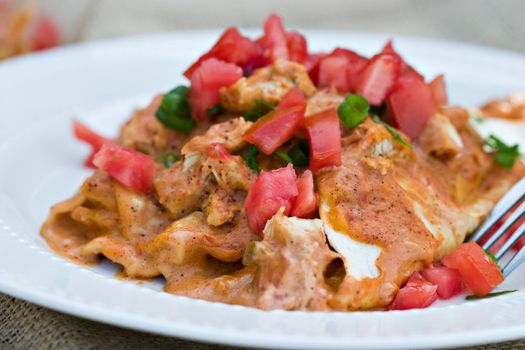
(479,273)
(378,78)
(438,89)
(275,38)
(418,293)
(405,67)
(448,281)
(206,80)
(96,141)
(232,47)
(46,34)
(324,136)
(411,104)
(333,73)
(129,167)
(278,126)
(305,204)
(293,98)
(340,69)
(218,151)
(297,46)
(270,191)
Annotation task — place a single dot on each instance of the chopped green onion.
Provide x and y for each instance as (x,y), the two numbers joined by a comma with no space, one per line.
(505,155)
(493,258)
(174,110)
(490,295)
(169,158)
(262,107)
(353,110)
(214,110)
(251,158)
(391,130)
(299,153)
(283,156)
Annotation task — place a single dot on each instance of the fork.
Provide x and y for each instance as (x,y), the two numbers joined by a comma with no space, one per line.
(505,206)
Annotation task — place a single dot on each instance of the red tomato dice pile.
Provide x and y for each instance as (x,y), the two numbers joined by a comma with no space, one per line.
(418,293)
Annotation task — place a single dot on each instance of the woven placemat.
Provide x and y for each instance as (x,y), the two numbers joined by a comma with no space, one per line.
(26,326)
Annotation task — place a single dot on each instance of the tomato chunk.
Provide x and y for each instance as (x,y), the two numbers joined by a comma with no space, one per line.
(418,293)
(268,193)
(275,38)
(333,73)
(96,141)
(46,34)
(378,78)
(297,46)
(206,82)
(411,104)
(232,47)
(305,204)
(438,89)
(278,126)
(131,168)
(479,273)
(324,136)
(448,281)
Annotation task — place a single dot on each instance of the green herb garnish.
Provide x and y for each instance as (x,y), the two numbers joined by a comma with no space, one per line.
(283,156)
(391,130)
(492,257)
(505,155)
(299,153)
(169,158)
(251,158)
(174,110)
(262,107)
(353,110)
(214,110)
(490,295)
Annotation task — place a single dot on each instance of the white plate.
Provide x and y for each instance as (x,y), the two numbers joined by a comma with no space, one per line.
(100,83)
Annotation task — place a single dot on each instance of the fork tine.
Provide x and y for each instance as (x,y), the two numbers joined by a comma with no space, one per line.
(510,242)
(509,200)
(516,259)
(513,218)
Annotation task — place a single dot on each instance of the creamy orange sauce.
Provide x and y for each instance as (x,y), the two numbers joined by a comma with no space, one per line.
(512,107)
(416,204)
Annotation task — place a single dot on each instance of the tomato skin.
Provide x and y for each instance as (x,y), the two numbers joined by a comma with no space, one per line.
(232,47)
(275,38)
(305,204)
(206,81)
(448,281)
(378,78)
(96,141)
(479,273)
(324,136)
(46,34)
(297,46)
(438,89)
(333,73)
(267,194)
(278,126)
(418,293)
(133,169)
(410,104)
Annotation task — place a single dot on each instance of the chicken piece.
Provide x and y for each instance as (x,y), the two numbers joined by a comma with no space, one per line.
(512,107)
(440,138)
(145,133)
(228,133)
(290,261)
(389,210)
(269,84)
(323,100)
(221,207)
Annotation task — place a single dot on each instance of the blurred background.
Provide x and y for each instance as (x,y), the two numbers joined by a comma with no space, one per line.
(496,23)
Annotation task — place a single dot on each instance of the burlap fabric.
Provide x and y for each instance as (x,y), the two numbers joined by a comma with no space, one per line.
(490,22)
